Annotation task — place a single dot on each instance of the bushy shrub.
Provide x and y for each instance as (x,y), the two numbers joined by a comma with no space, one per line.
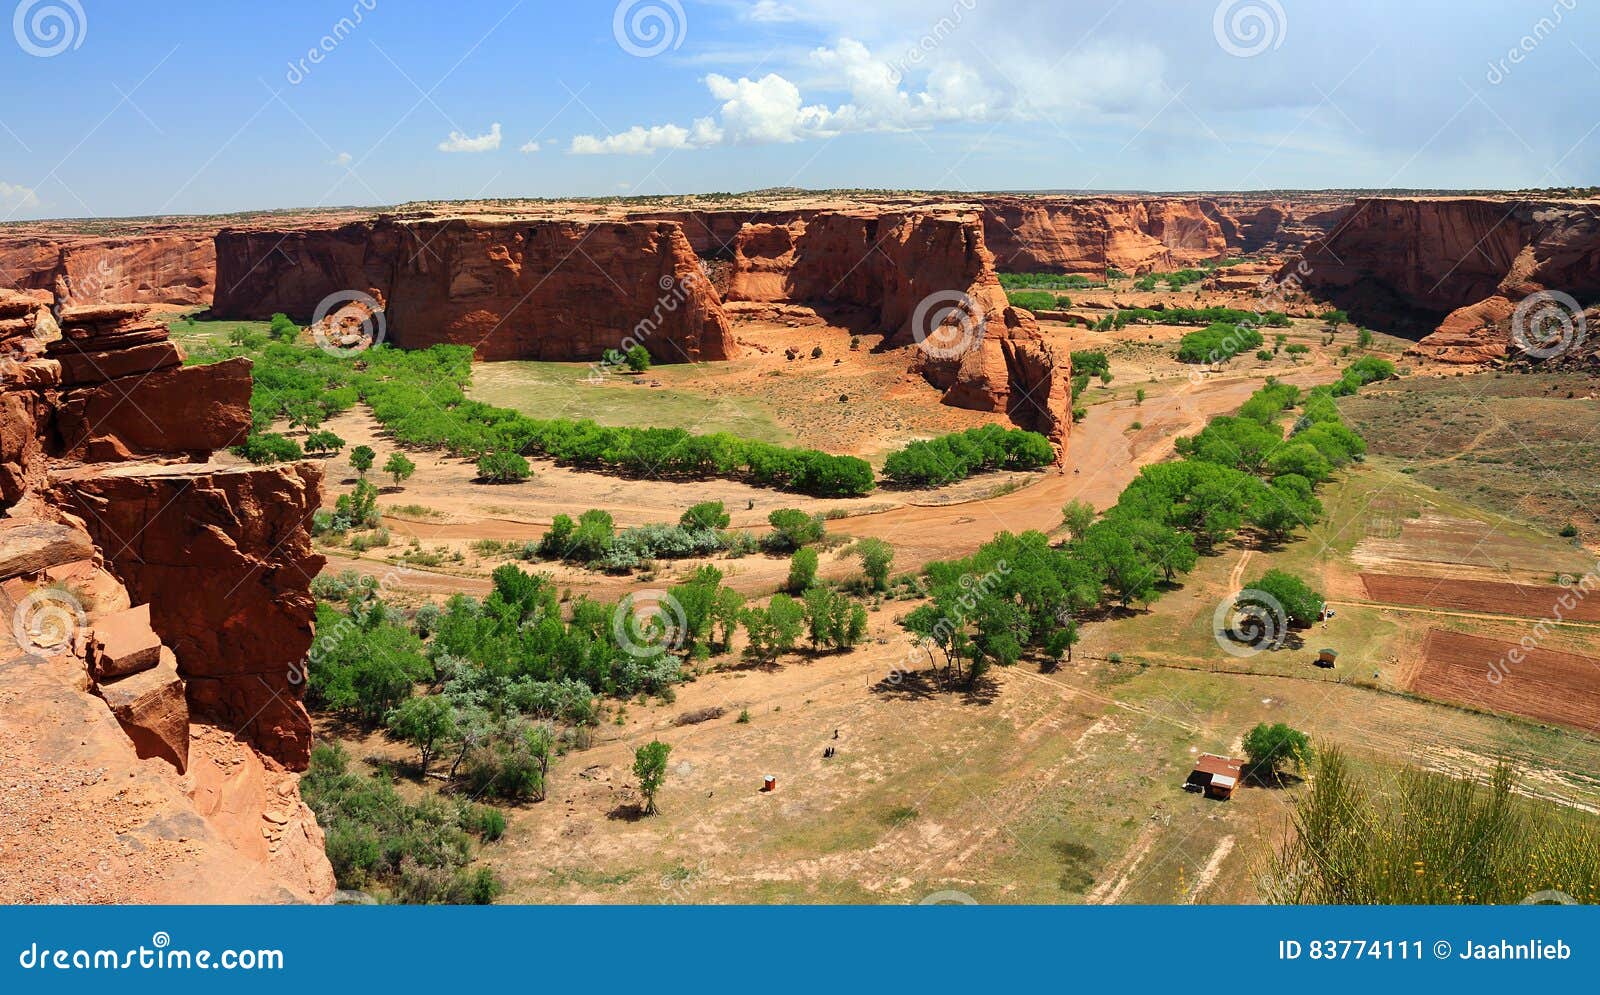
(948,458)
(269,447)
(502,468)
(1217,343)
(792,529)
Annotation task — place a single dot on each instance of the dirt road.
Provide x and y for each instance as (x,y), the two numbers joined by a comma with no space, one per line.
(1104,453)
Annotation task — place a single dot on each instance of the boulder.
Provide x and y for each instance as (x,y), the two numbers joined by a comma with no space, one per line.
(80,366)
(123,643)
(153,710)
(32,546)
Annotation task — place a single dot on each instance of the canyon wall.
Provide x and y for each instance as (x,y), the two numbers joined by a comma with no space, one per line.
(159,606)
(1090,235)
(178,268)
(928,281)
(1451,270)
(550,290)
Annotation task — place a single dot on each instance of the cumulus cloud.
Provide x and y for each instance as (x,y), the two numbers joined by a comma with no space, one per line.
(643,141)
(17,197)
(772,110)
(460,142)
(342,159)
(529,147)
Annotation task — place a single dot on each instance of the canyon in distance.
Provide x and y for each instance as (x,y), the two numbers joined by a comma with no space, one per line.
(223,627)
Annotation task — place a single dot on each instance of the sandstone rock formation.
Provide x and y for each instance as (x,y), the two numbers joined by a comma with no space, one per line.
(910,269)
(1090,235)
(177,267)
(552,290)
(1454,266)
(154,603)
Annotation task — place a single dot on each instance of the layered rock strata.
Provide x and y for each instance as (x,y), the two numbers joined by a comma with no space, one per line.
(158,611)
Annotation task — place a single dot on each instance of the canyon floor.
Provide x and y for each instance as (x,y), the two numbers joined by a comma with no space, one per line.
(1050,786)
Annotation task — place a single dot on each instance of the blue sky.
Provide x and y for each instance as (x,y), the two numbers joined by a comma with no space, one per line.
(190,107)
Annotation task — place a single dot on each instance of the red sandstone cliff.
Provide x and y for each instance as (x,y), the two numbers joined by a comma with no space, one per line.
(992,358)
(1454,267)
(150,708)
(1089,235)
(552,290)
(177,268)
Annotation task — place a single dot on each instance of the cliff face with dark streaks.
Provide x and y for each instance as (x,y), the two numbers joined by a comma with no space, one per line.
(552,290)
(78,270)
(1090,235)
(1455,268)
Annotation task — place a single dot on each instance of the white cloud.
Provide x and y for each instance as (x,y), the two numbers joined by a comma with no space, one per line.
(529,147)
(771,12)
(771,110)
(459,142)
(342,159)
(634,141)
(17,197)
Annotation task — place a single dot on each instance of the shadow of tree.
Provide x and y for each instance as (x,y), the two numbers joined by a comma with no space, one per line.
(626,812)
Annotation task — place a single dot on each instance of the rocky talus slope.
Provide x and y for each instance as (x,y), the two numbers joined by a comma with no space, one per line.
(157,610)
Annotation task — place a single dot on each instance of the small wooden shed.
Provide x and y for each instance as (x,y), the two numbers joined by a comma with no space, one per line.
(1215,776)
(1327,657)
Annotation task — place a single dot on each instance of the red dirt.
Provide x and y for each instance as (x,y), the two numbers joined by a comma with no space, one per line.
(1541,684)
(1523,600)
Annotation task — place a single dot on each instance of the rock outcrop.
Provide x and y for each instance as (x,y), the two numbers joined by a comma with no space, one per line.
(1090,235)
(177,268)
(551,290)
(928,281)
(1454,267)
(159,612)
